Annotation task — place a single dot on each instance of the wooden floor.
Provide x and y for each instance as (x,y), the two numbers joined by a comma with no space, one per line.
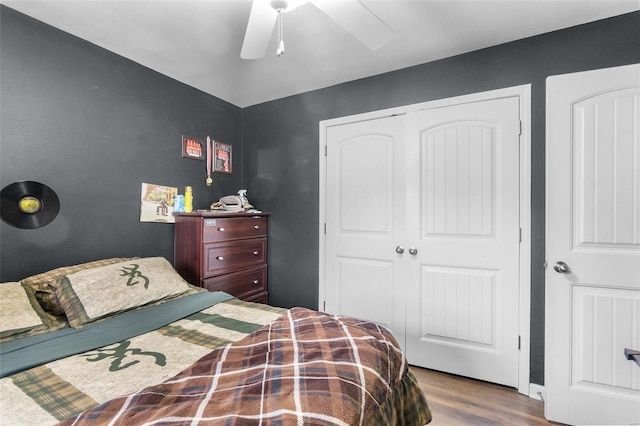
(455,400)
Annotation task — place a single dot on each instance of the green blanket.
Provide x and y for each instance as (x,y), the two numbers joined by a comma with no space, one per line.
(18,355)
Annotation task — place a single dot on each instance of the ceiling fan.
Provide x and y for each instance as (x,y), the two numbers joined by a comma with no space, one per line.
(352,15)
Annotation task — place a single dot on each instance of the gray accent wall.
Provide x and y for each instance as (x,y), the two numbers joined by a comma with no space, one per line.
(281,142)
(93,126)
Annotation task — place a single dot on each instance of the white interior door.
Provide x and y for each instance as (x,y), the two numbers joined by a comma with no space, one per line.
(463,219)
(593,247)
(365,186)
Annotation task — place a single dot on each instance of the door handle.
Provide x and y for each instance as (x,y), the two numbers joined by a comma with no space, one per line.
(413,251)
(399,249)
(632,355)
(561,268)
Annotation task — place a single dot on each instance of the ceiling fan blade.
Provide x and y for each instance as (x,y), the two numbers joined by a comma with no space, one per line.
(354,17)
(262,19)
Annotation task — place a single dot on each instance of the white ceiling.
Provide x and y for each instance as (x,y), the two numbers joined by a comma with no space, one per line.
(198,42)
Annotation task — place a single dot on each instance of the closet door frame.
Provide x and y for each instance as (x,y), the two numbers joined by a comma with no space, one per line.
(523,93)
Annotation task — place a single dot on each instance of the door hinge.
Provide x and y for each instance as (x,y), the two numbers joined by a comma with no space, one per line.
(325,150)
(325,228)
(324,305)
(520,127)
(520,234)
(519,343)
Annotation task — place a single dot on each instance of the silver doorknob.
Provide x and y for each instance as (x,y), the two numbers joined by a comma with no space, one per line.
(399,249)
(413,251)
(561,268)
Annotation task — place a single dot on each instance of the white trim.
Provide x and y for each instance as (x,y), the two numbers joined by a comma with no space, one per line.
(322,214)
(523,92)
(524,322)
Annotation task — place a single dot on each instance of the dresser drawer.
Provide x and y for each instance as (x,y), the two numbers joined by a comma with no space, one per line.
(239,284)
(258,298)
(223,252)
(223,229)
(220,258)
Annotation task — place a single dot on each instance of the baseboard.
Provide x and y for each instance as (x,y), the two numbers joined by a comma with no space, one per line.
(536,391)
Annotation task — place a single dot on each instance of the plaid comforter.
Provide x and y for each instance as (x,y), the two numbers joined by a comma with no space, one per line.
(305,367)
(57,390)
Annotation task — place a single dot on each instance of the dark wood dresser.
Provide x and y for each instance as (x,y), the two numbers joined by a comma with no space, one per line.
(223,251)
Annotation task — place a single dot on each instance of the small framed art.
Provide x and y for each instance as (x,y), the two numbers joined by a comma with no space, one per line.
(193,148)
(156,203)
(222,157)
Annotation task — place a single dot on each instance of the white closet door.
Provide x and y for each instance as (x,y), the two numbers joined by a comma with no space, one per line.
(365,188)
(463,221)
(593,227)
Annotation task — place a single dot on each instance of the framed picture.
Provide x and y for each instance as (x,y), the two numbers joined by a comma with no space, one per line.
(193,148)
(156,203)
(222,157)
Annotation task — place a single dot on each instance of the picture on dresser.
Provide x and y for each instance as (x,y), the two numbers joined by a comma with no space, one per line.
(156,203)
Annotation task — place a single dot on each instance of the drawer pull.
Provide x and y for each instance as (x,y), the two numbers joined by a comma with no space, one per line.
(256,282)
(255,253)
(256,226)
(221,229)
(220,258)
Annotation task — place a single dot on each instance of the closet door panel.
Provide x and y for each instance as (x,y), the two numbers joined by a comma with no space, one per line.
(365,221)
(365,185)
(463,221)
(458,180)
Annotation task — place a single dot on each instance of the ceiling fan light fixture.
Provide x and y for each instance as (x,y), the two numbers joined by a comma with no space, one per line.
(287,5)
(351,15)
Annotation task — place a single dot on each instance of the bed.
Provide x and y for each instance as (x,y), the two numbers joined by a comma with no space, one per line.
(127,341)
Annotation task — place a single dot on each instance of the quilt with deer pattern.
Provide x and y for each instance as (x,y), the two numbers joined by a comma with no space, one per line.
(126,341)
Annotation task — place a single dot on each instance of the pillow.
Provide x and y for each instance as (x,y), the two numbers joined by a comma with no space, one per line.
(92,294)
(18,311)
(42,285)
(17,314)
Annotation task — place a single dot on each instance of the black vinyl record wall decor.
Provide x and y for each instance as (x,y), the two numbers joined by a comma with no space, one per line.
(28,204)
